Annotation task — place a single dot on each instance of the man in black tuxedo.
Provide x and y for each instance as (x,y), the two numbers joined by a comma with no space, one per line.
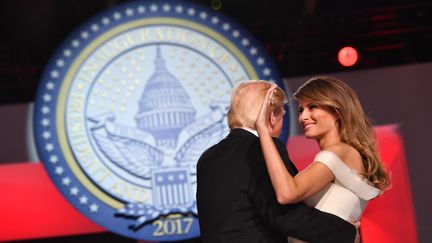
(236,201)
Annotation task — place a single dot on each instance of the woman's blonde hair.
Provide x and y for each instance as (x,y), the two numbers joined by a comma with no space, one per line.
(246,100)
(354,126)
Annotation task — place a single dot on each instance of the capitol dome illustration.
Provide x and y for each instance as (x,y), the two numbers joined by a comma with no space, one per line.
(165,107)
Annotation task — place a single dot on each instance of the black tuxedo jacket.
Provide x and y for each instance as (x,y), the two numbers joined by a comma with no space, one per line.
(236,201)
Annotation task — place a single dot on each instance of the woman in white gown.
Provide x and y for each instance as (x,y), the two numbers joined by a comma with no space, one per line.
(347,172)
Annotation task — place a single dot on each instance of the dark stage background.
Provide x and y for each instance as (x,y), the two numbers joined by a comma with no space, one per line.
(392,76)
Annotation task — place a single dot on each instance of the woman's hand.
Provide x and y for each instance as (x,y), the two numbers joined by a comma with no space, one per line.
(262,123)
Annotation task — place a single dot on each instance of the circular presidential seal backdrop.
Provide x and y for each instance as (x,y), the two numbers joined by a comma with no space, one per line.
(130,101)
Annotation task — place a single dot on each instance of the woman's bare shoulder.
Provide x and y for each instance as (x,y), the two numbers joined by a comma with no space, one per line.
(349,155)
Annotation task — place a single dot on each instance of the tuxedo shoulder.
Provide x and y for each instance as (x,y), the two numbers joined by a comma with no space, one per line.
(279,143)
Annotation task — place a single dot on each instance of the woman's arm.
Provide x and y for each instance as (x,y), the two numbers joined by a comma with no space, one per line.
(288,189)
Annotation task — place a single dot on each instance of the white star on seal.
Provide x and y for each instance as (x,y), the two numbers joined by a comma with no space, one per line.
(260,61)
(253,51)
(67,53)
(54,74)
(117,15)
(226,26)
(46,134)
(45,109)
(203,15)
(95,27)
(74,191)
(141,9)
(245,42)
(53,159)
(129,12)
(191,11)
(94,208)
(170,178)
(60,63)
(105,21)
(215,20)
(45,122)
(84,34)
(153,8)
(236,33)
(46,97)
(75,43)
(179,9)
(266,71)
(66,181)
(59,170)
(50,85)
(166,7)
(83,200)
(49,147)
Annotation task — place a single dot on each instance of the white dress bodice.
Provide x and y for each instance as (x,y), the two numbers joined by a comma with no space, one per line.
(347,196)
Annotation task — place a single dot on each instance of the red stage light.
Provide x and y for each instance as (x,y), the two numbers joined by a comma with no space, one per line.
(347,56)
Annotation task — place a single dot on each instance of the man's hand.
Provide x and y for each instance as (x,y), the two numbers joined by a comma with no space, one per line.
(262,122)
(357,238)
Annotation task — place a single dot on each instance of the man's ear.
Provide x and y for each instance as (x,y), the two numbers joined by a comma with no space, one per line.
(272,118)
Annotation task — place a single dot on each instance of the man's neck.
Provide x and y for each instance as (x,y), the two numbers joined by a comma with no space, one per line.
(254,132)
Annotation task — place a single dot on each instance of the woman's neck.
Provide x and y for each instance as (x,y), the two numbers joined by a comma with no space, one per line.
(328,141)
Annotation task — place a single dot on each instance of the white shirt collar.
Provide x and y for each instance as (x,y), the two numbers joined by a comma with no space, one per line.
(254,132)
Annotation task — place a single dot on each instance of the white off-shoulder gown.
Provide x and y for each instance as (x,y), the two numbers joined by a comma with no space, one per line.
(347,196)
